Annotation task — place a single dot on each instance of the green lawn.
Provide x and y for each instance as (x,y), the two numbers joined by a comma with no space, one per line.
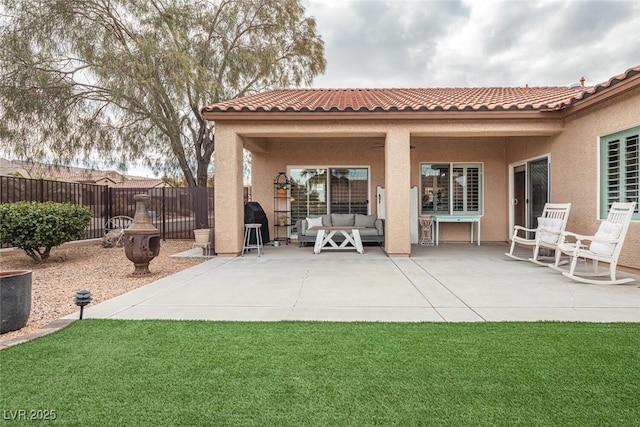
(190,373)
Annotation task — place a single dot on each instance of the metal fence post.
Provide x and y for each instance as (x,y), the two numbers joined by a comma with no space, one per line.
(164,215)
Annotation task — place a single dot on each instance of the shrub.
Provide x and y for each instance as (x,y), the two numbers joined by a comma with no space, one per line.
(37,227)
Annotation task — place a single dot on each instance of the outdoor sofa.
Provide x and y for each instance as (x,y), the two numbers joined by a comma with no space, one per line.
(373,231)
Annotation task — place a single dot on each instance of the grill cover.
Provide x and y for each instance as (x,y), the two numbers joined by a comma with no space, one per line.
(254,214)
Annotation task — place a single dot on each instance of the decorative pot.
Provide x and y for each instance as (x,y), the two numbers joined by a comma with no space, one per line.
(202,236)
(281,192)
(15,299)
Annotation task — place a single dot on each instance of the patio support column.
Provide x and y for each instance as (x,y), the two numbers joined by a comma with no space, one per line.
(228,195)
(397,177)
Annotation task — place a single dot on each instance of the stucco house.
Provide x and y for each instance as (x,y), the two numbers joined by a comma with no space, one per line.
(498,153)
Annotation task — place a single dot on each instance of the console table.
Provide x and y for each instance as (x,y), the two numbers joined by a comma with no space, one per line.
(471,219)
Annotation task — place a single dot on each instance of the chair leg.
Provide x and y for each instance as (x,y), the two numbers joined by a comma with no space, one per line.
(513,246)
(244,240)
(259,241)
(612,270)
(536,251)
(558,255)
(511,255)
(574,262)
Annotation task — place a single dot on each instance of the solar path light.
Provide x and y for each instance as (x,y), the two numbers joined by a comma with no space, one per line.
(82,298)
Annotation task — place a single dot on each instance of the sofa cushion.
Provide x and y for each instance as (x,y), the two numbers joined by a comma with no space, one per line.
(326,220)
(368,221)
(380,226)
(314,222)
(311,233)
(342,220)
(368,232)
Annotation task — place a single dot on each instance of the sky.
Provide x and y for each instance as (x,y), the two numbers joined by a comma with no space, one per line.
(471,43)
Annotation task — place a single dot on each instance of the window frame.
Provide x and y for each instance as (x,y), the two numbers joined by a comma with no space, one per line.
(627,177)
(451,200)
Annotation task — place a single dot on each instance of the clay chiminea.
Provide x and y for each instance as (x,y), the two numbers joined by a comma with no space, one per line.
(142,238)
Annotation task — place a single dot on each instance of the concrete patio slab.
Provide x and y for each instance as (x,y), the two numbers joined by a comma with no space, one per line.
(447,283)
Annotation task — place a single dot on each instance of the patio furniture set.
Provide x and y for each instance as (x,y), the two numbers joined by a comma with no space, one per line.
(340,231)
(350,231)
(605,246)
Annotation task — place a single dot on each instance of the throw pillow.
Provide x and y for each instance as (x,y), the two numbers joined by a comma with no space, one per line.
(606,231)
(549,229)
(314,222)
(368,221)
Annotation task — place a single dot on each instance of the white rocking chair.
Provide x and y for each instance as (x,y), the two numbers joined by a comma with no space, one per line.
(550,226)
(605,246)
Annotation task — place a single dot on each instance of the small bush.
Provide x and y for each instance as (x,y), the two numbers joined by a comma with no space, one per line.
(37,227)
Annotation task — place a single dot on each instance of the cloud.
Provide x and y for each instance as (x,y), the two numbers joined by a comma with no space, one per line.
(404,43)
(370,43)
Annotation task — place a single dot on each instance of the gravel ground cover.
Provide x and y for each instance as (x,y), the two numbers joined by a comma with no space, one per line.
(72,267)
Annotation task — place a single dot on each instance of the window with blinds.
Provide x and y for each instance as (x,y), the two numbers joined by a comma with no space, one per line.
(620,170)
(451,188)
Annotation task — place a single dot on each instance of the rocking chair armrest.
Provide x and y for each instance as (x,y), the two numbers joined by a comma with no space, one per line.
(517,228)
(575,235)
(601,240)
(580,238)
(575,239)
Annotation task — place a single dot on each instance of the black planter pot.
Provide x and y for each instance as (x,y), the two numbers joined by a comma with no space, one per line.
(15,299)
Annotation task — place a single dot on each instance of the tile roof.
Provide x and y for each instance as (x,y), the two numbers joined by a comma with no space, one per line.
(415,100)
(141,183)
(77,174)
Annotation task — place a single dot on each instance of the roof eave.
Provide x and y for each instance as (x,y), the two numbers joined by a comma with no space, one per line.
(376,115)
(604,94)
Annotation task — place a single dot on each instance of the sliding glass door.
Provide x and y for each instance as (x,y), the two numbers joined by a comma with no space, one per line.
(530,192)
(538,188)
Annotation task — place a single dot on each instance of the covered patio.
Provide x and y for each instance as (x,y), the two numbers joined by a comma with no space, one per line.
(454,282)
(394,156)
(496,155)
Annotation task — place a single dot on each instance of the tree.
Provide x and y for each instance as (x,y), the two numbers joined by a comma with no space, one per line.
(123,80)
